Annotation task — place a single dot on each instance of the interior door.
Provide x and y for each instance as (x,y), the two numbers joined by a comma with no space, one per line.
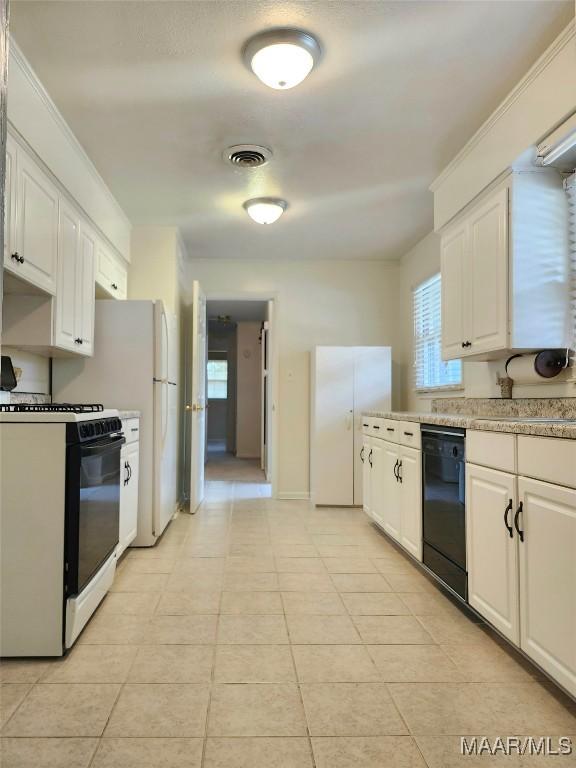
(492,581)
(333,440)
(198,390)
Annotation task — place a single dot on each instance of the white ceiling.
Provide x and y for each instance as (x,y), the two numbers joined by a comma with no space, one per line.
(156,90)
(240,311)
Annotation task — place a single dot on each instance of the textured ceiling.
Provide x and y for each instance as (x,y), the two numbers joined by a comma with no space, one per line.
(156,90)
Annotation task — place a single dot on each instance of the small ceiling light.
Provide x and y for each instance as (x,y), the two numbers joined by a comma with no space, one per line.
(282,58)
(265,210)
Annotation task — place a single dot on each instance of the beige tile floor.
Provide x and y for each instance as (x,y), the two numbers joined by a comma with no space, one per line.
(270,634)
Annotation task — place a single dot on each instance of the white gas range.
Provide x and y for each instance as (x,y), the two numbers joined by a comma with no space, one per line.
(60,498)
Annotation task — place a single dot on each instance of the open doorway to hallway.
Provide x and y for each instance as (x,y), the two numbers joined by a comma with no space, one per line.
(237,440)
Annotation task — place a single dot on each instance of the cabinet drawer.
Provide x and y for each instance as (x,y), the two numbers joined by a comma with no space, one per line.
(491,449)
(409,433)
(366,424)
(389,430)
(551,459)
(377,427)
(131,428)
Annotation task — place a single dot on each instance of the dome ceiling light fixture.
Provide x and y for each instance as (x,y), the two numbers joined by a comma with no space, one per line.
(265,210)
(282,58)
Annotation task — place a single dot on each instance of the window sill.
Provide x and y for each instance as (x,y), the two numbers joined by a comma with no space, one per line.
(435,390)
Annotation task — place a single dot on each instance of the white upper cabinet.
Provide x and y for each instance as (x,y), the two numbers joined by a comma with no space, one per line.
(85,287)
(505,270)
(67,302)
(10,205)
(486,266)
(111,274)
(31,223)
(74,301)
(453,254)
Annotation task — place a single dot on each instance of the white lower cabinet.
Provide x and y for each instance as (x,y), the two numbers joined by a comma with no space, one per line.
(387,492)
(392,479)
(492,550)
(410,474)
(547,552)
(521,554)
(129,459)
(366,471)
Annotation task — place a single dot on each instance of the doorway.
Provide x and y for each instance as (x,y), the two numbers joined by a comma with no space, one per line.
(237,444)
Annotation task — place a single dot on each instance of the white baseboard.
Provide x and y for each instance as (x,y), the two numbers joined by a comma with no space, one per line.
(296,495)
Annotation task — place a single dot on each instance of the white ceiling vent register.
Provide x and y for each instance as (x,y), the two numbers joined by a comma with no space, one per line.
(247,155)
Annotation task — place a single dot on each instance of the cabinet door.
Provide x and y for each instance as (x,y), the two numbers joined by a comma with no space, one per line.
(128,496)
(548,578)
(410,473)
(85,288)
(487,275)
(67,299)
(36,225)
(366,475)
(110,273)
(333,437)
(10,206)
(453,256)
(492,554)
(389,486)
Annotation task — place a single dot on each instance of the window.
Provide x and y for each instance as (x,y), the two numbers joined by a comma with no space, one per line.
(217,379)
(431,372)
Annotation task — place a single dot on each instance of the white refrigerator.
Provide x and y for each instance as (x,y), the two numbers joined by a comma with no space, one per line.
(135,367)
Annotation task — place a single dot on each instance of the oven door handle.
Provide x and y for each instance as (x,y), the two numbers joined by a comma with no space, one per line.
(102,446)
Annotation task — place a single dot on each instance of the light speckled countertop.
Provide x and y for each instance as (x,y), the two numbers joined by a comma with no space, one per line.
(129,414)
(566,429)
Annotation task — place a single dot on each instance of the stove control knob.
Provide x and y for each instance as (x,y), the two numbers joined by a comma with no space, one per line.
(98,428)
(83,430)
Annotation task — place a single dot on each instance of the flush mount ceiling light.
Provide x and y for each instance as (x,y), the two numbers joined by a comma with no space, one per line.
(282,58)
(265,210)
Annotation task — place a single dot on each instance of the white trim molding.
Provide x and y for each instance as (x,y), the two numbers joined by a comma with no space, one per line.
(540,102)
(35,117)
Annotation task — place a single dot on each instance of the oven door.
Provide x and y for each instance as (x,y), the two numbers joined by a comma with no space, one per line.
(92,508)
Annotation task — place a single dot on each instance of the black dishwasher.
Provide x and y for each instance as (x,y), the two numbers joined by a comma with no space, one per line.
(443,508)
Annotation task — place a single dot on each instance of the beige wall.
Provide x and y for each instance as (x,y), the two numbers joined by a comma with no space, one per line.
(153,273)
(479,379)
(35,377)
(248,390)
(320,302)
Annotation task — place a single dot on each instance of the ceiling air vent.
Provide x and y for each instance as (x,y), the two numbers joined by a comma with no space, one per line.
(247,155)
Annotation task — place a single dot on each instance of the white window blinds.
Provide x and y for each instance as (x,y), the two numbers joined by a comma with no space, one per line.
(431,372)
(570,184)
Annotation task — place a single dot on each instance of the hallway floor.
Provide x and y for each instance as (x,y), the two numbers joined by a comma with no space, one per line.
(222,465)
(270,634)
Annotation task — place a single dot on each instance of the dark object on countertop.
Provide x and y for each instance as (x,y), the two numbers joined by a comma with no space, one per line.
(7,376)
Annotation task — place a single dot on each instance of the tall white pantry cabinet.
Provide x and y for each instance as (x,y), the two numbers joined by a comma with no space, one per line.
(346,381)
